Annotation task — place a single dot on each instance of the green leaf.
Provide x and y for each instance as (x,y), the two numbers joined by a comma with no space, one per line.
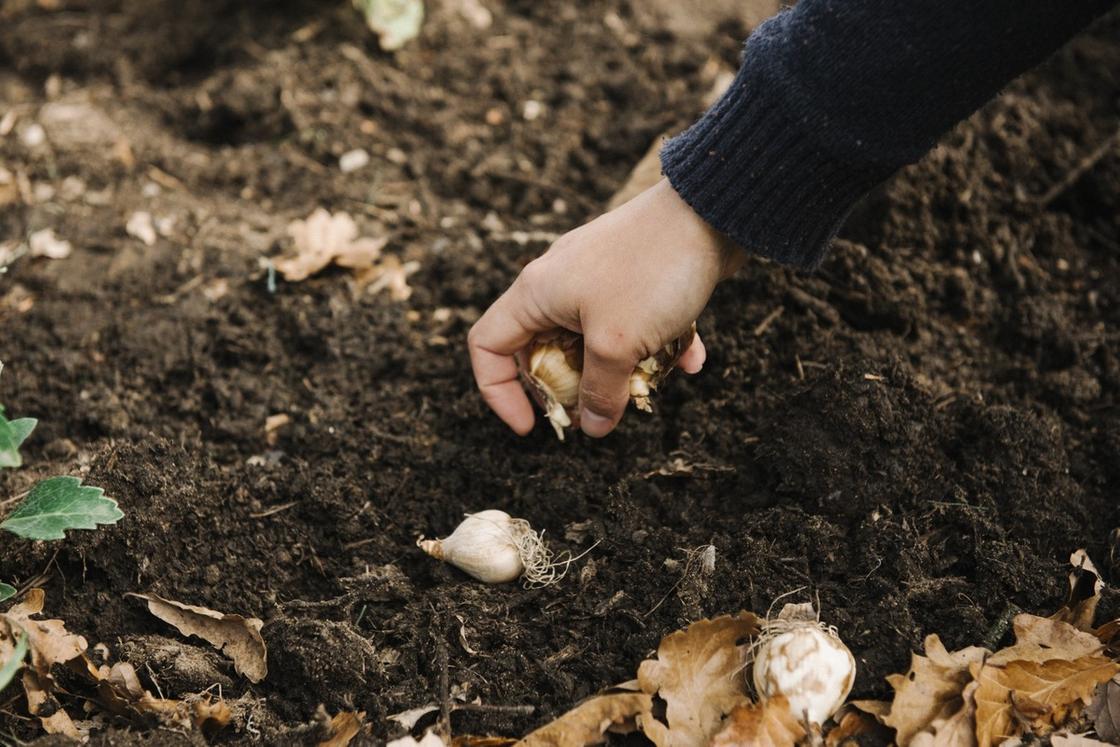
(12,434)
(9,668)
(6,591)
(58,504)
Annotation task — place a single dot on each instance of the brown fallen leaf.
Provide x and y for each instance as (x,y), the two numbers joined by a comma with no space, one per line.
(1075,740)
(765,724)
(42,703)
(851,724)
(698,672)
(200,713)
(1105,711)
(587,723)
(932,688)
(1085,587)
(1041,639)
(1028,693)
(389,274)
(49,641)
(237,637)
(957,729)
(324,238)
(467,740)
(876,708)
(344,726)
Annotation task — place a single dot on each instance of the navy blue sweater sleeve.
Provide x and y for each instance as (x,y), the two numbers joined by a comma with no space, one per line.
(834,96)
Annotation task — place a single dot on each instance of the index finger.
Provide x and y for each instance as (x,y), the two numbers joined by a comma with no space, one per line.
(505,328)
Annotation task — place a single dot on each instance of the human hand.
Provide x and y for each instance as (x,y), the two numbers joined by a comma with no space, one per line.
(629,281)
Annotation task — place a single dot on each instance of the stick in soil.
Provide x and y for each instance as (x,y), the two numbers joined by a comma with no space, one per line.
(1079,170)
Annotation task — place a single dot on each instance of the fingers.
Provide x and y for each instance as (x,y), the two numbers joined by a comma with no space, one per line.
(605,386)
(692,360)
(506,327)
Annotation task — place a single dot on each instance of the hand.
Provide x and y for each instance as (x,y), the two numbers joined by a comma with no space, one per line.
(629,281)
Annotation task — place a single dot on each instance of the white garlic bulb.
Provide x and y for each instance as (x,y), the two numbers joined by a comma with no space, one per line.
(553,367)
(805,661)
(495,548)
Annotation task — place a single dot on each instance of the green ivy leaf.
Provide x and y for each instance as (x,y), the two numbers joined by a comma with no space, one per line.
(12,434)
(7,591)
(9,668)
(58,504)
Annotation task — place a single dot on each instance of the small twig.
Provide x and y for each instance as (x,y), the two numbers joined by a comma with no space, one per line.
(522,710)
(765,323)
(1080,169)
(273,510)
(444,683)
(155,681)
(999,627)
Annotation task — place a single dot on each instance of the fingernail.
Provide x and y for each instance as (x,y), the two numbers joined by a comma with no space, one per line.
(594,424)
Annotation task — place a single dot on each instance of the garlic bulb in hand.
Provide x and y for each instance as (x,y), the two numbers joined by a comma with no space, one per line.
(495,548)
(800,658)
(553,363)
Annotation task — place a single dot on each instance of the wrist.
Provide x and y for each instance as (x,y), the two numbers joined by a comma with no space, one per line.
(727,256)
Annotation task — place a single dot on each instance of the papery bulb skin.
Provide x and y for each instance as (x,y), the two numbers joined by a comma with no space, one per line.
(808,665)
(553,366)
(484,546)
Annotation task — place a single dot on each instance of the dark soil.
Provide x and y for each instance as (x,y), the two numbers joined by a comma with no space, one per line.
(920,439)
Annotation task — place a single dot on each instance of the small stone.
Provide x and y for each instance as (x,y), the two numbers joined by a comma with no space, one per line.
(397,156)
(33,135)
(531,110)
(352,160)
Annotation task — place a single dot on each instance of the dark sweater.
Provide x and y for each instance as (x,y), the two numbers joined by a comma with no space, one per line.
(834,96)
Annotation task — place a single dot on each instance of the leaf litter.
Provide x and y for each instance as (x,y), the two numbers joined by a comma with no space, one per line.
(323,239)
(237,637)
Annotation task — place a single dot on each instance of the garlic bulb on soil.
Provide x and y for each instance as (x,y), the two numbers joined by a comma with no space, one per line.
(804,660)
(495,548)
(553,364)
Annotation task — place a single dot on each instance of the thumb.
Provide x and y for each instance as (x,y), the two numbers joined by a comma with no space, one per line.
(604,387)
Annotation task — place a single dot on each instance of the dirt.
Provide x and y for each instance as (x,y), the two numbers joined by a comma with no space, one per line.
(919,440)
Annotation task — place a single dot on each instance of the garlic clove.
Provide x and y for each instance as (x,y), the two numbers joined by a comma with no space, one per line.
(554,364)
(806,662)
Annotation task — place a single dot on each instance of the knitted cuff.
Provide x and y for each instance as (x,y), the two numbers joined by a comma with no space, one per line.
(755,173)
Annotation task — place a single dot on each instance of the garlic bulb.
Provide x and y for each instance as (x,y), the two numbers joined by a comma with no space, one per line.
(805,661)
(495,548)
(554,363)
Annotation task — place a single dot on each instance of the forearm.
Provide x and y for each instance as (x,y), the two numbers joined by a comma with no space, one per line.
(835,95)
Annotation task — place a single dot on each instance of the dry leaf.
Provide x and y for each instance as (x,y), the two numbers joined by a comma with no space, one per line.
(698,672)
(49,641)
(1041,639)
(430,739)
(1043,695)
(588,722)
(957,729)
(272,426)
(388,274)
(1105,711)
(1085,587)
(200,714)
(765,724)
(467,740)
(324,238)
(931,689)
(344,726)
(852,723)
(877,708)
(41,703)
(237,637)
(45,244)
(1075,740)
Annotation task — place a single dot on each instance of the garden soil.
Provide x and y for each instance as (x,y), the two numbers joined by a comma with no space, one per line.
(917,436)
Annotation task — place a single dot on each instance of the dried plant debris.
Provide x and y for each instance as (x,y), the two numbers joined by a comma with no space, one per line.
(766,724)
(323,239)
(38,646)
(589,722)
(237,637)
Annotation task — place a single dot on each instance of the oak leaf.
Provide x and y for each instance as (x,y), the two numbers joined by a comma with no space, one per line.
(851,724)
(956,729)
(1105,711)
(1041,639)
(49,641)
(1075,740)
(765,724)
(698,672)
(237,637)
(931,689)
(344,726)
(1024,693)
(1085,587)
(589,722)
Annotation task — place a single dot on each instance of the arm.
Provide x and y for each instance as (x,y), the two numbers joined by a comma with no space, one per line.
(832,98)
